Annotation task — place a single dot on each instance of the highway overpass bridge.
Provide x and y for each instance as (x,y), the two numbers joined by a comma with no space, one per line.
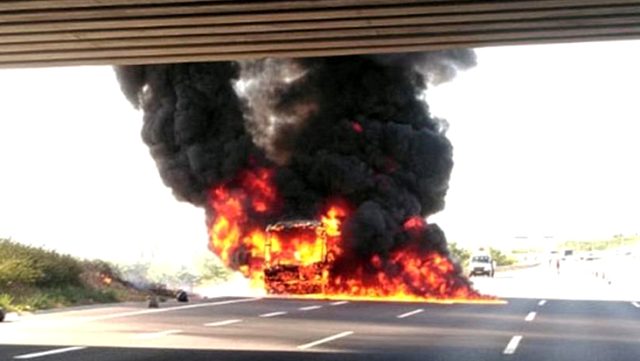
(85,32)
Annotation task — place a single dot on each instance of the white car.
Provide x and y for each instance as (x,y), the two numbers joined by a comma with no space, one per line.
(481,265)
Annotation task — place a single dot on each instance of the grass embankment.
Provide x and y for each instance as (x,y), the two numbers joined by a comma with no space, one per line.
(617,242)
(32,278)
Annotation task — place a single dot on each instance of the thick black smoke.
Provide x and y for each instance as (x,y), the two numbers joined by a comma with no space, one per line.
(355,129)
(193,124)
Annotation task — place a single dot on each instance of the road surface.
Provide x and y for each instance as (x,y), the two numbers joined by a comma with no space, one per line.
(234,328)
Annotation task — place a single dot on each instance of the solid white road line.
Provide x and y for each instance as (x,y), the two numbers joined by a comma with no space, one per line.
(47,353)
(273,314)
(325,340)
(309,308)
(513,345)
(542,302)
(152,335)
(168,309)
(222,323)
(530,316)
(338,303)
(636,304)
(414,312)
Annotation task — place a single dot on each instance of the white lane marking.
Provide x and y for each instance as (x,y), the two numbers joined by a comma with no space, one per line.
(338,303)
(152,335)
(47,353)
(222,323)
(325,340)
(273,314)
(512,345)
(542,302)
(309,308)
(414,312)
(168,309)
(636,304)
(530,316)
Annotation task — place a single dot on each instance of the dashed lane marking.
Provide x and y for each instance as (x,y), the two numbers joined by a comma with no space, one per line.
(168,309)
(512,346)
(338,303)
(636,304)
(309,308)
(221,323)
(273,314)
(324,340)
(411,313)
(47,353)
(542,302)
(152,335)
(530,317)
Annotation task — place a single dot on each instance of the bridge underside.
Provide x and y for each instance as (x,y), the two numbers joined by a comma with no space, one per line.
(84,32)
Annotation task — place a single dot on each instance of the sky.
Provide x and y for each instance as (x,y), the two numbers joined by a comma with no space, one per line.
(545,144)
(544,148)
(76,176)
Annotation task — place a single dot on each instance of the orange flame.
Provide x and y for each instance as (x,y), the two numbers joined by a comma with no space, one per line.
(332,221)
(427,279)
(298,258)
(414,223)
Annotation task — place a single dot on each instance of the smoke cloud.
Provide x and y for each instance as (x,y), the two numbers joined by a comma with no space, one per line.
(353,129)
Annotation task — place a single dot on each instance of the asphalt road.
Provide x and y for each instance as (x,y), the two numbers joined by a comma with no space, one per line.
(289,329)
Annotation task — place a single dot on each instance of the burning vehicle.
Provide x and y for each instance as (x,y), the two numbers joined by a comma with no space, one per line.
(304,270)
(348,141)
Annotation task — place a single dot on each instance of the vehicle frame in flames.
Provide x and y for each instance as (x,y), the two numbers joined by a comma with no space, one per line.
(293,276)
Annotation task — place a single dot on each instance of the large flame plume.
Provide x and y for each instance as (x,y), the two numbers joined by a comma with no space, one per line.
(322,170)
(408,274)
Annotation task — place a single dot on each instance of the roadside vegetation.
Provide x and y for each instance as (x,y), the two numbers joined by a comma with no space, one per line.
(32,278)
(501,258)
(616,242)
(459,254)
(206,270)
(462,255)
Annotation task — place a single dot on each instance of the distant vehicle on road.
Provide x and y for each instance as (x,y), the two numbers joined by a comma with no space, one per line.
(567,254)
(482,265)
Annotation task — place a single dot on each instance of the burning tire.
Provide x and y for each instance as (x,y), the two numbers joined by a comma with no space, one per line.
(182,296)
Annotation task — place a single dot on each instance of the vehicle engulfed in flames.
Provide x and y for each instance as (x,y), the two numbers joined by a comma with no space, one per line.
(300,270)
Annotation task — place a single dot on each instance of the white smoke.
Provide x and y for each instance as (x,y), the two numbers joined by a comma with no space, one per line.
(259,87)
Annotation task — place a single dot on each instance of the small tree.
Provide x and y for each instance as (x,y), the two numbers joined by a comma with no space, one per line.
(186,278)
(459,254)
(500,258)
(212,270)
